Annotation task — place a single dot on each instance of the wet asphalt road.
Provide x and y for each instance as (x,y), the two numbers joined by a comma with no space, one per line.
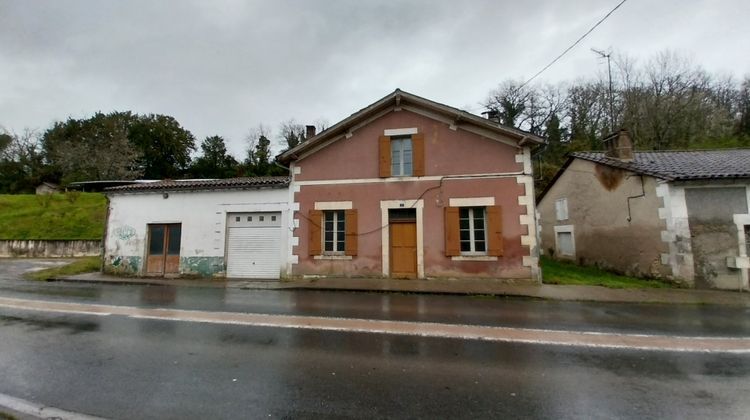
(693,320)
(128,368)
(138,368)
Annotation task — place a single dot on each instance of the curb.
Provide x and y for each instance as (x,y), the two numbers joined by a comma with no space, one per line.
(313,286)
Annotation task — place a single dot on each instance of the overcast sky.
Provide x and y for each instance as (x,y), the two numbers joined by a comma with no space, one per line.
(223,67)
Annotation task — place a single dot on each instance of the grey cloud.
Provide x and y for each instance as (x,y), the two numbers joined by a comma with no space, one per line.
(224,67)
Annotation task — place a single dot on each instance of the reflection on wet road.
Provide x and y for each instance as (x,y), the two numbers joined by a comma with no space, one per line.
(409,328)
(138,368)
(120,367)
(704,320)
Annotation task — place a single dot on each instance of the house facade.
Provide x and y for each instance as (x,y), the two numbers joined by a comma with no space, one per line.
(410,188)
(676,215)
(208,228)
(47,188)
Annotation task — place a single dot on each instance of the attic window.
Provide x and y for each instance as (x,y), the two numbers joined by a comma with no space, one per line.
(401,153)
(401,156)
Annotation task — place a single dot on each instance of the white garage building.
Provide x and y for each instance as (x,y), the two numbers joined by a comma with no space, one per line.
(209,228)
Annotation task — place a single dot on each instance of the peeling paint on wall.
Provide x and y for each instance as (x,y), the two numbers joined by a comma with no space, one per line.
(714,234)
(124,232)
(202,266)
(127,265)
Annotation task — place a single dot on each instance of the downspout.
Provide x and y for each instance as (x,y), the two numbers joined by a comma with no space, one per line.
(275,162)
(642,194)
(104,235)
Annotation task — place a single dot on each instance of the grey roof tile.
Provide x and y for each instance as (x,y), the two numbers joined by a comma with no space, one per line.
(676,165)
(206,184)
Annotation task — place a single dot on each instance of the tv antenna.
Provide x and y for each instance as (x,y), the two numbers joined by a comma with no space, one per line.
(607,55)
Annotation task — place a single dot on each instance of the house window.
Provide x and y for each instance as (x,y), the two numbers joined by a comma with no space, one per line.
(401,156)
(334,231)
(561,209)
(472,230)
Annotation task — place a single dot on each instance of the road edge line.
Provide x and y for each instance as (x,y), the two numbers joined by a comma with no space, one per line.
(29,408)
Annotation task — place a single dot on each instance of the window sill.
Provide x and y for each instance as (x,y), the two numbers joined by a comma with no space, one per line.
(332,257)
(474,258)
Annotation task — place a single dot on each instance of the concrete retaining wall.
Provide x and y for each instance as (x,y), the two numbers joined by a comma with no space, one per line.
(50,249)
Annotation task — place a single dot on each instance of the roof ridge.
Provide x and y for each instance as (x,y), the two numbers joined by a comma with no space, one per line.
(671,150)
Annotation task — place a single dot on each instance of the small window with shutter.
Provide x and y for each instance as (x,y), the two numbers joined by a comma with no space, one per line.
(473,231)
(333,232)
(402,155)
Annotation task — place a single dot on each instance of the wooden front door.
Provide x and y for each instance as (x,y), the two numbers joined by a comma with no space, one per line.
(163,249)
(403,249)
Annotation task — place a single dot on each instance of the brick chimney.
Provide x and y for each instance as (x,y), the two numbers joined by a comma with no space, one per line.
(492,115)
(619,145)
(309,132)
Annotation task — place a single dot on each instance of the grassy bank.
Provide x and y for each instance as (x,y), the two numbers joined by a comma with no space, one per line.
(57,216)
(79,266)
(559,272)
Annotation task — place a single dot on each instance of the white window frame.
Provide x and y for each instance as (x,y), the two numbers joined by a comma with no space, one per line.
(565,229)
(335,232)
(472,240)
(400,141)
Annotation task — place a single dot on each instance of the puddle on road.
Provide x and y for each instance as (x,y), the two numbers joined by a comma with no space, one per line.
(39,324)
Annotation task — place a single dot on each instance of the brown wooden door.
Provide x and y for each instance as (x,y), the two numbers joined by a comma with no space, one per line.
(403,249)
(163,249)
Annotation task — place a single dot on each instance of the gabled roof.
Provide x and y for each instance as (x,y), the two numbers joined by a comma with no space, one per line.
(672,165)
(401,98)
(205,184)
(681,165)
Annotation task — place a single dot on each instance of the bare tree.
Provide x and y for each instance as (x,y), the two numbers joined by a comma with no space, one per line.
(291,133)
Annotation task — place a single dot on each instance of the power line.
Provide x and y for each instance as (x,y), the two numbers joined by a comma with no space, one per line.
(573,45)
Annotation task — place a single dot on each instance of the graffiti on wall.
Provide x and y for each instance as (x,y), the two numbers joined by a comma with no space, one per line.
(124,232)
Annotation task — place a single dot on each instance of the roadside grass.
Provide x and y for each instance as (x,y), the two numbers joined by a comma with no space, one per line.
(6,416)
(68,216)
(79,266)
(567,273)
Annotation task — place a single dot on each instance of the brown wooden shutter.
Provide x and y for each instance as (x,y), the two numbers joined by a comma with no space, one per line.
(452,244)
(495,228)
(385,156)
(315,219)
(417,152)
(350,244)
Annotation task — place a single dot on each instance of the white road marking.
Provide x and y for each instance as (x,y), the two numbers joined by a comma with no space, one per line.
(40,411)
(738,345)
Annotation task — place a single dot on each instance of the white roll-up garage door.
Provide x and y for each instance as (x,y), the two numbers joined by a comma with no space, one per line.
(254,245)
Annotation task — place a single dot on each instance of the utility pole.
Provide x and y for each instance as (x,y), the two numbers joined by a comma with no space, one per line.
(607,55)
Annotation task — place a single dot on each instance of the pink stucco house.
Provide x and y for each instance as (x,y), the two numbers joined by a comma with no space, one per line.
(411,188)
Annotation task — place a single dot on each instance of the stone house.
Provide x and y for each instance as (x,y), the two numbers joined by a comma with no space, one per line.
(680,215)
